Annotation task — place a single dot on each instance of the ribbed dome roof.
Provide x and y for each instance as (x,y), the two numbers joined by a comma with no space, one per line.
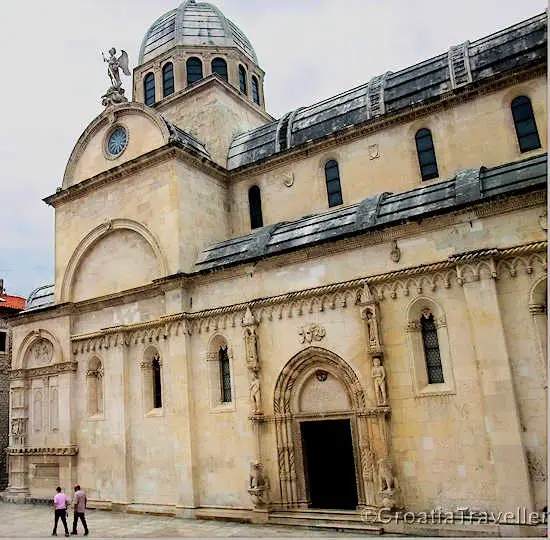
(193,23)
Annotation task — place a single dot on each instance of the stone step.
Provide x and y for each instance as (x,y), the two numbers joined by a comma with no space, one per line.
(327,519)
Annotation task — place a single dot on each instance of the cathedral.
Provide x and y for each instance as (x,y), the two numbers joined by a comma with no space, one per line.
(333,318)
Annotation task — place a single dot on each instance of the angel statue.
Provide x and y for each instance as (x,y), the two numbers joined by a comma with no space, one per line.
(114,64)
(115,94)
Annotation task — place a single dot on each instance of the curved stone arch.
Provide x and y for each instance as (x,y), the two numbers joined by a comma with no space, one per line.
(301,363)
(538,291)
(90,240)
(108,117)
(30,339)
(420,303)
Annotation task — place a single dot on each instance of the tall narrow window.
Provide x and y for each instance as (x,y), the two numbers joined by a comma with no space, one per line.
(157,385)
(334,189)
(194,70)
(255,206)
(219,66)
(149,88)
(426,154)
(431,349)
(3,341)
(168,79)
(255,90)
(242,80)
(524,120)
(225,376)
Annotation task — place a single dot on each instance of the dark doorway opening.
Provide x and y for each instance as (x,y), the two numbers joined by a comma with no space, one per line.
(328,464)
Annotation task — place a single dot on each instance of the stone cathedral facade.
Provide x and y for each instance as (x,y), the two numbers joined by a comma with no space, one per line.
(286,320)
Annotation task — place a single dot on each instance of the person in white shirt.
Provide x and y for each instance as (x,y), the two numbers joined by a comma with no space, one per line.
(60,509)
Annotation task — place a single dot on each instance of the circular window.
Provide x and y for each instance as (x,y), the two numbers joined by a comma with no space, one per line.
(117,142)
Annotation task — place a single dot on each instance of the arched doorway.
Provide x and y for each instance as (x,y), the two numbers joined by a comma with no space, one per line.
(323,434)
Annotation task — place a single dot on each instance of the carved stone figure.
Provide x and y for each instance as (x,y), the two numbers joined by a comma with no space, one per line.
(385,475)
(372,324)
(42,351)
(251,346)
(379,377)
(395,253)
(258,485)
(312,332)
(115,93)
(18,427)
(114,65)
(255,397)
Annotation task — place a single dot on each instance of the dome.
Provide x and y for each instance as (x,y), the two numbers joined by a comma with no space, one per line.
(193,24)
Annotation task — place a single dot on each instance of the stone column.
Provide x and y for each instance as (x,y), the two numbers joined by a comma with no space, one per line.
(540,323)
(18,480)
(502,422)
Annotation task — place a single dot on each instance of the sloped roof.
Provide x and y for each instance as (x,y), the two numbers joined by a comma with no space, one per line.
(379,211)
(516,47)
(11,302)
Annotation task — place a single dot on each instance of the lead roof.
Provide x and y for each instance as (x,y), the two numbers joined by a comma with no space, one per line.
(516,47)
(380,211)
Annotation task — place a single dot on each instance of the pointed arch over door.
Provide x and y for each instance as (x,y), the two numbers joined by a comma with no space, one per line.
(293,407)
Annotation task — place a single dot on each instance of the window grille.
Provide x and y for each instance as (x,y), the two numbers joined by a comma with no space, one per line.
(255,90)
(431,349)
(426,154)
(524,122)
(225,376)
(149,89)
(168,79)
(334,189)
(219,66)
(194,70)
(242,80)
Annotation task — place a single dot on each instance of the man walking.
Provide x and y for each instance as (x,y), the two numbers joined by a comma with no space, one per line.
(79,506)
(60,510)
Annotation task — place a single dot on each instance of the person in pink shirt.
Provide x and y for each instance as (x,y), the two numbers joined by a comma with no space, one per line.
(60,509)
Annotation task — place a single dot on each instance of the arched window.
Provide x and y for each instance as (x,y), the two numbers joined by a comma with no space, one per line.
(225,375)
(94,379)
(168,79)
(431,349)
(219,66)
(149,88)
(194,70)
(242,80)
(334,189)
(255,207)
(524,121)
(426,154)
(255,90)
(157,385)
(152,381)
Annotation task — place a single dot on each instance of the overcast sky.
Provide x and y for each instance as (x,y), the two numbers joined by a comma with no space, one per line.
(53,77)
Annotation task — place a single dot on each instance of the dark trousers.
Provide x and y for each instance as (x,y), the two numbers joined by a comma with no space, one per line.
(61,514)
(82,519)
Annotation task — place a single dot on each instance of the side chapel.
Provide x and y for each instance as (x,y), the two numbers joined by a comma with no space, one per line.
(343,309)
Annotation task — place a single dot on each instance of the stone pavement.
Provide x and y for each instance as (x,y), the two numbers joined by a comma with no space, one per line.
(36,521)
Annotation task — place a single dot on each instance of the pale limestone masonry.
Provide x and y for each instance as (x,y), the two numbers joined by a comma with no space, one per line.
(184,363)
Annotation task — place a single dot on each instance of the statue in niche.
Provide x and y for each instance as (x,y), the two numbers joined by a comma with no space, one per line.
(385,475)
(18,427)
(379,377)
(372,324)
(251,345)
(255,398)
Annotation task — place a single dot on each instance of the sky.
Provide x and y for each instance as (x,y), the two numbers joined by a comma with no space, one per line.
(53,77)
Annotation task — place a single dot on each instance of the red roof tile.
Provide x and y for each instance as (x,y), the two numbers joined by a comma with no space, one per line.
(11,302)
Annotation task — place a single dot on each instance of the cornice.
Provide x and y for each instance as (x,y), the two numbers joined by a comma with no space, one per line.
(358,131)
(145,161)
(53,369)
(491,263)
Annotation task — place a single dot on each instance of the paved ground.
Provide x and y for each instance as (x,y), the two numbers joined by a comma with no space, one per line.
(36,521)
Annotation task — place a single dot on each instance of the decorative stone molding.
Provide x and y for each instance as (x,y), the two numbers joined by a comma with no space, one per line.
(44,451)
(311,333)
(55,369)
(459,65)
